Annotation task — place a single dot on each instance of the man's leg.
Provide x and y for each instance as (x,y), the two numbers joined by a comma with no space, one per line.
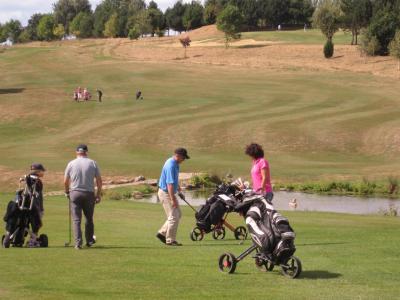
(173,222)
(164,199)
(76,210)
(88,210)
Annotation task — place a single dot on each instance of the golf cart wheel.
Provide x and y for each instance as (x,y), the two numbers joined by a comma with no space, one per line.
(44,241)
(227,263)
(197,234)
(219,233)
(264,265)
(240,233)
(7,245)
(292,268)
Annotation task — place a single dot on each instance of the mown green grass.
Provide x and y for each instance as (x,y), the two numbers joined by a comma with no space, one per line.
(313,125)
(310,36)
(344,257)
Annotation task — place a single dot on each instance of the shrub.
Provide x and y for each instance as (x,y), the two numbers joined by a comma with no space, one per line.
(328,49)
(134,33)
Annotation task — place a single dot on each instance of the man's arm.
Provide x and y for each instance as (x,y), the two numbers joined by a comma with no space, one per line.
(99,183)
(66,184)
(172,195)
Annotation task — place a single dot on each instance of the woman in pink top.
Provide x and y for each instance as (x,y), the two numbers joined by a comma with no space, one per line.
(260,173)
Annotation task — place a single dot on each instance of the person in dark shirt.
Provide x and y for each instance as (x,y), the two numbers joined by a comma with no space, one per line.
(99,94)
(139,95)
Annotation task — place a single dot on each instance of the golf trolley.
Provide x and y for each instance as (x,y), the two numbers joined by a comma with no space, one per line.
(20,214)
(272,236)
(290,267)
(219,232)
(211,217)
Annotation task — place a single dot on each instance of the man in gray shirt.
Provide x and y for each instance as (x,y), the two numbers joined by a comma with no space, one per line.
(79,187)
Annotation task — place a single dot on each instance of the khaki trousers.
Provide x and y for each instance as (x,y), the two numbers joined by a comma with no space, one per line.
(170,226)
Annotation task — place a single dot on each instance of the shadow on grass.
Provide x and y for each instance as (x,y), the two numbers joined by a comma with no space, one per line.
(322,244)
(105,247)
(318,274)
(11,91)
(251,46)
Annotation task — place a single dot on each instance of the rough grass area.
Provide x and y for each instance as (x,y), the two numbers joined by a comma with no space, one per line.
(344,257)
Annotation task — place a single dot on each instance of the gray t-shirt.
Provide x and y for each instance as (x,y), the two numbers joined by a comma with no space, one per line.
(82,172)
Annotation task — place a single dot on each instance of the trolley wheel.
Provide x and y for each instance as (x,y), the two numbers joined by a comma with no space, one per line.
(43,241)
(227,263)
(240,233)
(197,234)
(219,233)
(2,242)
(292,268)
(264,265)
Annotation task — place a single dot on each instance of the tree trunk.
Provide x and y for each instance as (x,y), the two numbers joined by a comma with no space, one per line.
(356,38)
(352,36)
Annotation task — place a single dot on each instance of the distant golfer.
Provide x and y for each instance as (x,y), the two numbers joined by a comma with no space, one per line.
(139,95)
(167,193)
(99,95)
(80,175)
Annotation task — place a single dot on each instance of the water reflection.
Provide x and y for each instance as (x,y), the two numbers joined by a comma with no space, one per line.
(309,202)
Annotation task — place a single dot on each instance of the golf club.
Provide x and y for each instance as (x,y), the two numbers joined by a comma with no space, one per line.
(182,196)
(66,244)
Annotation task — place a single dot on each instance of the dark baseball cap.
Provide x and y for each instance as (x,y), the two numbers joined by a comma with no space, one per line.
(82,148)
(182,152)
(37,167)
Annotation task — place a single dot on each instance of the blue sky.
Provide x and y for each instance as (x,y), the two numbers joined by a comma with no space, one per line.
(23,9)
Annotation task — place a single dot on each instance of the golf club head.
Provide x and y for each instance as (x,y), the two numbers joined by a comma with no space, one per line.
(66,244)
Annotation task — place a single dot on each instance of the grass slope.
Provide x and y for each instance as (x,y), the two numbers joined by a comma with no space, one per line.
(313,125)
(344,257)
(311,36)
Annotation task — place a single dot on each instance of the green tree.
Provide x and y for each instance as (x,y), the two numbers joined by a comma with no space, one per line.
(12,29)
(45,28)
(300,11)
(66,10)
(111,26)
(143,22)
(327,17)
(211,11)
(384,23)
(82,25)
(3,36)
(250,11)
(24,37)
(174,16)
(31,28)
(356,15)
(134,33)
(193,16)
(157,19)
(59,31)
(274,12)
(394,48)
(230,21)
(369,45)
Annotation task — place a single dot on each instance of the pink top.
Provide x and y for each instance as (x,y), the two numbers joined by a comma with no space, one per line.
(256,175)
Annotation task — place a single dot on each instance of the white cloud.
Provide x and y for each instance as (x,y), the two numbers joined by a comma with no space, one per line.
(23,9)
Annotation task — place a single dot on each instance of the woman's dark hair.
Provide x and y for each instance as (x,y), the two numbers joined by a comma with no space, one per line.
(254,150)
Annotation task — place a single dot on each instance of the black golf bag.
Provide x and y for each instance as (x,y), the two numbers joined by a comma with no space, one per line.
(270,231)
(23,213)
(215,208)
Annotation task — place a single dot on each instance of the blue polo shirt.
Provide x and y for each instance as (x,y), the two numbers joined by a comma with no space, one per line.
(169,175)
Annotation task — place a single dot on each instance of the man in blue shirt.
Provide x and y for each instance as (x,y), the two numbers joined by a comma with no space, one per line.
(167,193)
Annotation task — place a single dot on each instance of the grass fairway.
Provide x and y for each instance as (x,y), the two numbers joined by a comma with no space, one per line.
(311,36)
(314,125)
(344,257)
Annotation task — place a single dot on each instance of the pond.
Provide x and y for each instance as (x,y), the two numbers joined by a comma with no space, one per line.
(310,202)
